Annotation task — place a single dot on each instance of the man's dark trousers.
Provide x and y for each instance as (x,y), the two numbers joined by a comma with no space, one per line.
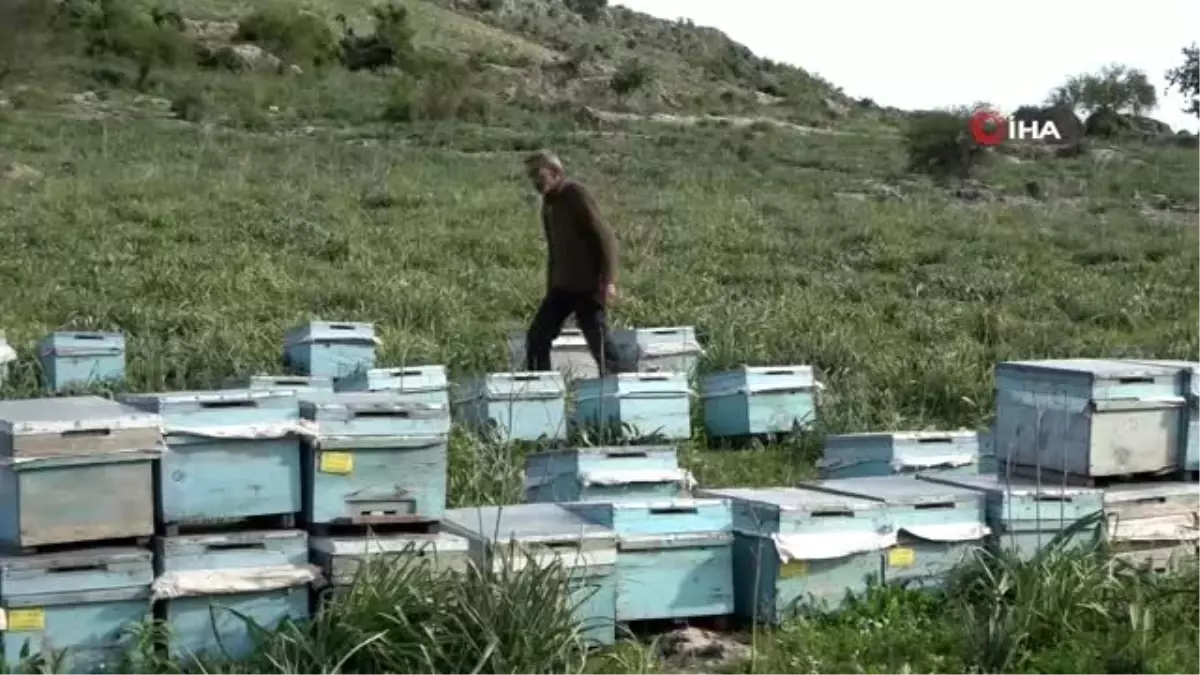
(547,324)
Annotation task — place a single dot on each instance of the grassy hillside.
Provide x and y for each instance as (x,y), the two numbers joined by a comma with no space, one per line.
(206,211)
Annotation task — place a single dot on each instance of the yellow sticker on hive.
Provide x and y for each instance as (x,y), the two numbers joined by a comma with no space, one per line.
(27,619)
(337,462)
(795,568)
(901,557)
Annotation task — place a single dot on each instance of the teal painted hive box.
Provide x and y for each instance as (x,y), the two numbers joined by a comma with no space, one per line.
(605,473)
(331,349)
(302,384)
(342,558)
(569,354)
(674,556)
(537,534)
(1153,524)
(72,359)
(635,405)
(900,452)
(8,356)
(75,470)
(1089,417)
(78,604)
(756,400)
(81,358)
(795,547)
(419,384)
(207,580)
(667,349)
(1024,517)
(231,453)
(1189,386)
(515,406)
(375,458)
(937,525)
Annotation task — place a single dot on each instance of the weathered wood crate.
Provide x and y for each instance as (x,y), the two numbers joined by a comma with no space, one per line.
(375,459)
(794,546)
(605,473)
(1089,417)
(536,534)
(514,406)
(417,384)
(76,470)
(937,525)
(342,558)
(664,349)
(303,384)
(635,405)
(333,349)
(674,556)
(80,358)
(79,603)
(231,454)
(1025,517)
(886,453)
(758,400)
(206,581)
(569,355)
(1153,524)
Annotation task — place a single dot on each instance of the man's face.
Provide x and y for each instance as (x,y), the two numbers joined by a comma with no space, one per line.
(545,179)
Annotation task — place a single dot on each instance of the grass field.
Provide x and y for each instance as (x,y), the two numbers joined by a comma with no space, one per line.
(293,200)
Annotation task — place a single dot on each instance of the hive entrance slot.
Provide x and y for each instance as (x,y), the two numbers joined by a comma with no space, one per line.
(340,326)
(832,513)
(86,433)
(87,336)
(781,372)
(672,510)
(383,413)
(934,439)
(406,373)
(237,546)
(83,567)
(1141,379)
(287,382)
(630,454)
(216,405)
(1051,498)
(934,505)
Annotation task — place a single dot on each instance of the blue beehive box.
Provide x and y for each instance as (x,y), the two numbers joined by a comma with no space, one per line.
(376,458)
(900,452)
(1152,524)
(80,358)
(329,348)
(666,349)
(421,384)
(60,456)
(302,384)
(202,588)
(1188,384)
(674,556)
(78,603)
(515,406)
(794,546)
(1024,517)
(231,453)
(537,534)
(342,558)
(937,524)
(756,400)
(1088,417)
(8,355)
(640,405)
(603,473)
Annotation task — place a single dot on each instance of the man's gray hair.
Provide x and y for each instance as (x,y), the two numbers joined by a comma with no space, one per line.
(544,160)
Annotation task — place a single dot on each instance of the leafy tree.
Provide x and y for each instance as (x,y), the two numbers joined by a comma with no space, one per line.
(1116,88)
(1186,78)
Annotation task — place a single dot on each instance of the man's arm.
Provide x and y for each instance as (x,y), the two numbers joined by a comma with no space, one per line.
(549,248)
(599,231)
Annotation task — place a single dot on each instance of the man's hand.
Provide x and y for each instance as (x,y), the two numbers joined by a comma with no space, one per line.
(607,293)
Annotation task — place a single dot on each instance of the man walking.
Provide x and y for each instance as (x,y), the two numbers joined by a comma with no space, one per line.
(581,272)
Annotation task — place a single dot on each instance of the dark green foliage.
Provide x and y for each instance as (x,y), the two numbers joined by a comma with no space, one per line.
(939,143)
(630,77)
(1186,78)
(291,33)
(1116,87)
(590,10)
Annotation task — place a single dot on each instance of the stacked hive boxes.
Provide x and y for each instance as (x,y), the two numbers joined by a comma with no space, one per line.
(78,511)
(904,452)
(228,493)
(1126,427)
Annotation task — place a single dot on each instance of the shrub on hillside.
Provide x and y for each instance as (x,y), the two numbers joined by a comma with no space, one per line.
(938,143)
(124,29)
(291,33)
(590,10)
(390,43)
(631,76)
